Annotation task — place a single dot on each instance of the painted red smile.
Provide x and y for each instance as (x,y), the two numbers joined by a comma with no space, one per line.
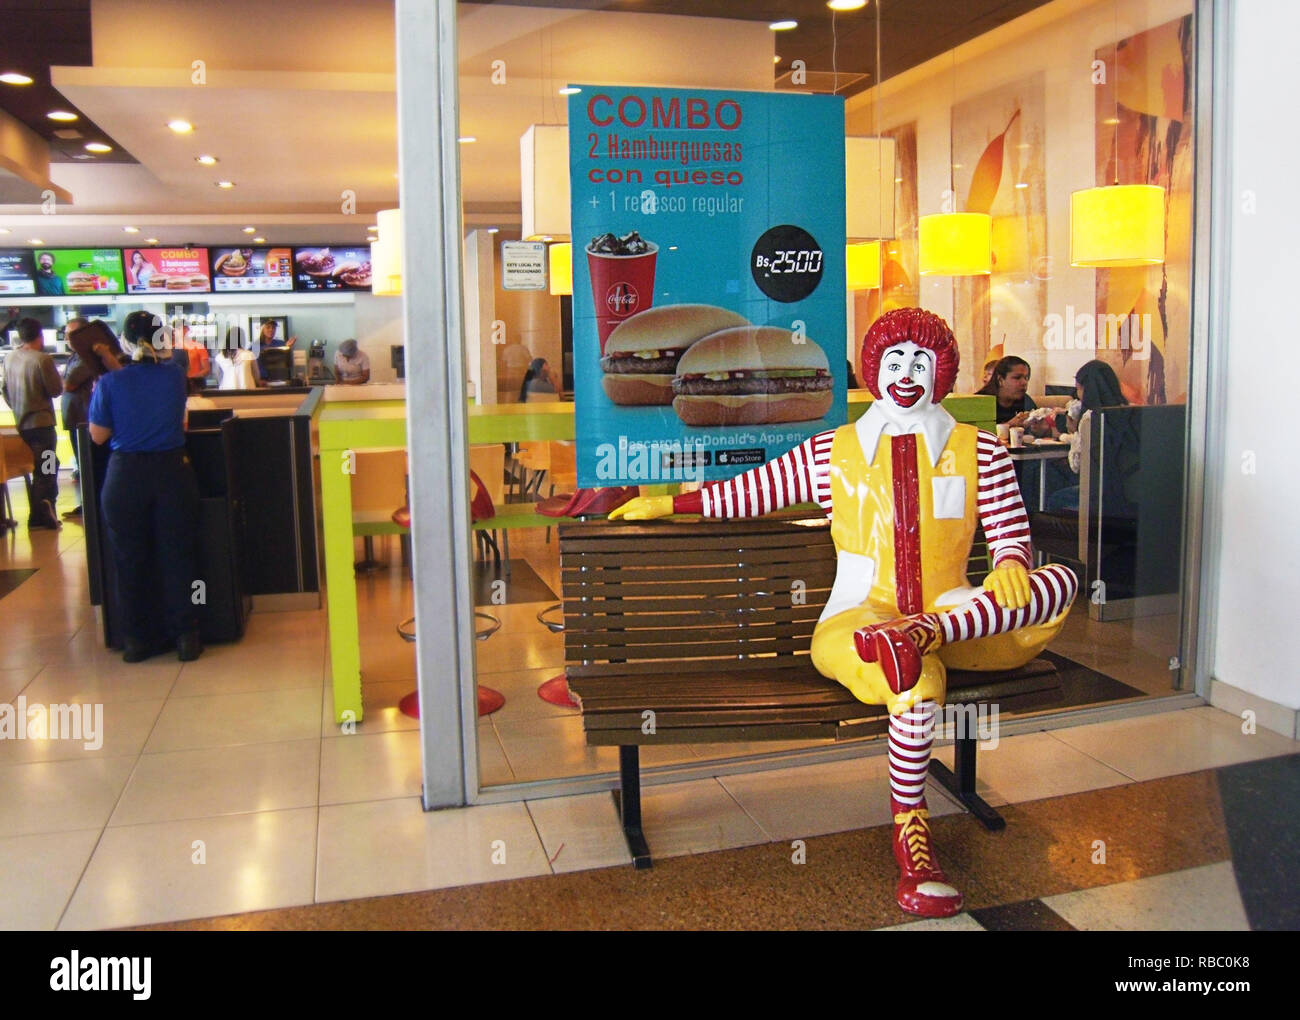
(905,395)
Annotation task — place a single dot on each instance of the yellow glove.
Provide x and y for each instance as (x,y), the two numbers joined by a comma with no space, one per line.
(1009,584)
(643,508)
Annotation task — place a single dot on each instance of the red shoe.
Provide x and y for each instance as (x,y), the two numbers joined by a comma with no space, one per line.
(899,646)
(923,888)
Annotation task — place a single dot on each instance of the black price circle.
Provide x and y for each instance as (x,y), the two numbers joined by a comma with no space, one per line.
(787,263)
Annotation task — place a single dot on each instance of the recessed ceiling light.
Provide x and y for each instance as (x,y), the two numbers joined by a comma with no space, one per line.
(466,139)
(98,147)
(569,90)
(61,115)
(783,26)
(250,230)
(34,240)
(494,230)
(372,240)
(132,230)
(373,228)
(776,58)
(259,240)
(82,155)
(151,240)
(846,5)
(14,78)
(181,127)
(225,185)
(206,160)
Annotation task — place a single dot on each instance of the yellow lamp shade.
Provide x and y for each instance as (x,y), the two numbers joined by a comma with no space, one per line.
(1121,225)
(385,269)
(863,264)
(560,259)
(956,244)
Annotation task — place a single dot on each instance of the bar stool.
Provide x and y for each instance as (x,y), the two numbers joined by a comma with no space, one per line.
(489,700)
(555,691)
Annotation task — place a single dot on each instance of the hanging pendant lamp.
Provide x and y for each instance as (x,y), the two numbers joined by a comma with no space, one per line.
(1119,225)
(862,262)
(560,263)
(955,244)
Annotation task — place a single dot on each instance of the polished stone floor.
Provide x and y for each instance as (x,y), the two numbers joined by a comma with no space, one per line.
(222,789)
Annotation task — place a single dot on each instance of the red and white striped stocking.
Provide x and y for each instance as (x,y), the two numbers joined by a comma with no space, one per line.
(910,735)
(1051,591)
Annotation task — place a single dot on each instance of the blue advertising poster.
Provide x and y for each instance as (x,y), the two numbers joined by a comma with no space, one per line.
(709,325)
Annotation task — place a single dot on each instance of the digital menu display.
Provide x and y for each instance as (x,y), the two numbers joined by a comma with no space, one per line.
(17,271)
(250,270)
(167,270)
(333,268)
(73,271)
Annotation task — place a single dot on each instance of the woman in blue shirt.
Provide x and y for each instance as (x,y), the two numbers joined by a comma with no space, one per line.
(150,498)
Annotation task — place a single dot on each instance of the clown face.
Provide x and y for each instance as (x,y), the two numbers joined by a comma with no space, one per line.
(906,380)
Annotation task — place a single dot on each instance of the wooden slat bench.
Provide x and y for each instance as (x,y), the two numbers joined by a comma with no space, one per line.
(697,631)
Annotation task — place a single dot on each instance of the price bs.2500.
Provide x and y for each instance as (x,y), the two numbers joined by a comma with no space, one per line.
(803,260)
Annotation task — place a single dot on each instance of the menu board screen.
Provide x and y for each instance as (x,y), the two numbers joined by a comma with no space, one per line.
(62,271)
(333,268)
(167,270)
(251,269)
(17,271)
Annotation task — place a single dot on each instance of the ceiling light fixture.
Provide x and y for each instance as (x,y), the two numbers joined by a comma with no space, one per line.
(570,90)
(61,115)
(151,240)
(846,5)
(250,230)
(132,230)
(783,26)
(181,127)
(259,240)
(34,240)
(14,78)
(98,147)
(206,160)
(494,230)
(225,185)
(466,139)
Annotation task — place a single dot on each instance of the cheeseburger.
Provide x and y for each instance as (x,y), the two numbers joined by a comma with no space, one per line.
(752,375)
(641,354)
(82,283)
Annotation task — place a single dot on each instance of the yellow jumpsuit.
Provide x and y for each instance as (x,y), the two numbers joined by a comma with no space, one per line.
(943,509)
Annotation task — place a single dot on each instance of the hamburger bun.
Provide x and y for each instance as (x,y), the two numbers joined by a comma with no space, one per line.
(752,375)
(80,282)
(157,282)
(199,282)
(641,354)
(177,283)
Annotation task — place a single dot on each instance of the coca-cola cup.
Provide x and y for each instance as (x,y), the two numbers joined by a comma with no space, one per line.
(621,286)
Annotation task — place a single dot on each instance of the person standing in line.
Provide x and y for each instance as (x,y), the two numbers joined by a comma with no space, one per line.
(31,384)
(92,356)
(150,498)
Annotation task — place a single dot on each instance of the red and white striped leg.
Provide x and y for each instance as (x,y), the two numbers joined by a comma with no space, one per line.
(922,887)
(1051,592)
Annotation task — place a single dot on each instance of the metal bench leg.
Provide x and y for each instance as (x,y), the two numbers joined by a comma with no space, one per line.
(627,799)
(962,784)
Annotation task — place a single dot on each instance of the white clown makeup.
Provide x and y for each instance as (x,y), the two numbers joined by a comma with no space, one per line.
(906,381)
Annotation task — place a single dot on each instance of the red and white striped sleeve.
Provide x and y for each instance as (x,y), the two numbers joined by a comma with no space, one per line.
(800,476)
(1001,509)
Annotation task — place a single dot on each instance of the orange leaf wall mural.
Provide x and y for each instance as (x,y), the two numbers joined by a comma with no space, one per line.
(987,177)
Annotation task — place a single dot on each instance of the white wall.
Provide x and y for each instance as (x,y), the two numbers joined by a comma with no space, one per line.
(1259,576)
(378,328)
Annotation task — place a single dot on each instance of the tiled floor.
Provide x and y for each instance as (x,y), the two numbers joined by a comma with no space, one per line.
(221,785)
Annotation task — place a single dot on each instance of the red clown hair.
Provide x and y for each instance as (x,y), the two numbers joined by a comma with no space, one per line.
(925,329)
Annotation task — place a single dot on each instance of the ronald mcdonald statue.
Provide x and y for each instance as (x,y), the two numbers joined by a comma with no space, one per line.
(904,488)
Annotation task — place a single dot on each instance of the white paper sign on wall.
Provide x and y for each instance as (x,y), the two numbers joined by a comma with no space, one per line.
(523,265)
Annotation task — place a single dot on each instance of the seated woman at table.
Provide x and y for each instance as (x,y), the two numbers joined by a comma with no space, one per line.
(1095,386)
(1010,384)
